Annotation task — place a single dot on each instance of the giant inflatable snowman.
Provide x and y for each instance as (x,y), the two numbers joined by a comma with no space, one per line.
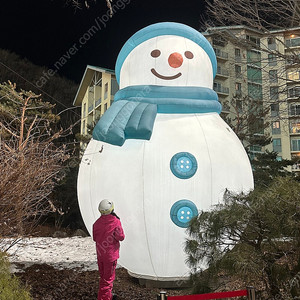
(161,152)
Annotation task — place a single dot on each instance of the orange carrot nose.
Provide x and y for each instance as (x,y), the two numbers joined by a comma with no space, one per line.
(175,60)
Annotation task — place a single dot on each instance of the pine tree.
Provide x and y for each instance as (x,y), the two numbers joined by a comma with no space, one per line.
(255,237)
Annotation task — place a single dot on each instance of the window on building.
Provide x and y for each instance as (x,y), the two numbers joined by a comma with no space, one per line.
(254,150)
(276,127)
(114,86)
(294,110)
(271,43)
(272,59)
(254,58)
(237,53)
(254,40)
(239,106)
(255,91)
(221,53)
(273,76)
(277,145)
(254,74)
(293,42)
(294,92)
(220,89)
(217,86)
(106,90)
(289,59)
(257,127)
(238,71)
(274,110)
(219,41)
(293,75)
(292,59)
(295,144)
(274,93)
(83,127)
(295,126)
(238,88)
(105,107)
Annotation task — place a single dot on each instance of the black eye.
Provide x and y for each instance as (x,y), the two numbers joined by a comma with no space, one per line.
(188,54)
(155,53)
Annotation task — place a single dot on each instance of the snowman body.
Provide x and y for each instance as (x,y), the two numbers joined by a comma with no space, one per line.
(159,185)
(139,178)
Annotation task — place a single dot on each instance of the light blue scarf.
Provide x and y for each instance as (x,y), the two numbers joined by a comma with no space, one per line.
(133,112)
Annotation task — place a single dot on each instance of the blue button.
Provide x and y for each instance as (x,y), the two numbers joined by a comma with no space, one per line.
(183,165)
(182,212)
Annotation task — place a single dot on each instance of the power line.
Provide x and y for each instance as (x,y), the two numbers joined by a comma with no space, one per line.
(67,108)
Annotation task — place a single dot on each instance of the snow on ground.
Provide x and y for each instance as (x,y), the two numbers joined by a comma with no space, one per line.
(61,253)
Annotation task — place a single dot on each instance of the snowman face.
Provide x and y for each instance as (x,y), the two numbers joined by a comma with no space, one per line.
(168,61)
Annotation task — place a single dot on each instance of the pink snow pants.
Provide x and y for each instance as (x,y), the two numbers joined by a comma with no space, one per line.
(107,277)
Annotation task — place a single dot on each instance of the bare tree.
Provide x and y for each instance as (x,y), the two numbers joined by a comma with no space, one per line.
(267,19)
(79,4)
(246,118)
(267,34)
(263,15)
(30,160)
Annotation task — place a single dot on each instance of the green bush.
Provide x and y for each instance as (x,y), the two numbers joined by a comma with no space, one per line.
(10,287)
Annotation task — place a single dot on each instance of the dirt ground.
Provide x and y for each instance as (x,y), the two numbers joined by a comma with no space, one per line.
(47,283)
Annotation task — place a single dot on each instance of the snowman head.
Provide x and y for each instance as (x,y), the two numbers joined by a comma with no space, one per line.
(166,54)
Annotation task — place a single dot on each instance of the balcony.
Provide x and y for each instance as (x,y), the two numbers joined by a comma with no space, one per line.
(295,145)
(221,90)
(238,58)
(272,46)
(293,77)
(222,73)
(293,93)
(292,60)
(294,110)
(295,42)
(90,109)
(294,127)
(221,54)
(98,102)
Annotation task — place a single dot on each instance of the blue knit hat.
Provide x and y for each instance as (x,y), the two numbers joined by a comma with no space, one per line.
(165,28)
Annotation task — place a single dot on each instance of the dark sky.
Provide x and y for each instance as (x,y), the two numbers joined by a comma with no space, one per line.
(44,31)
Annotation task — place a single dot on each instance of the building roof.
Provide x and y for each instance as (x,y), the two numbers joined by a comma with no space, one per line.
(211,30)
(287,30)
(86,80)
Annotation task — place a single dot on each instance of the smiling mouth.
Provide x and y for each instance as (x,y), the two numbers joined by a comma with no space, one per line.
(165,77)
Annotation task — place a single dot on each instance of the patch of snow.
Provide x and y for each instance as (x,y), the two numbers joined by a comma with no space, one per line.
(61,253)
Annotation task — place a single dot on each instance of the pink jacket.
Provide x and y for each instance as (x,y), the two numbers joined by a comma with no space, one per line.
(107,233)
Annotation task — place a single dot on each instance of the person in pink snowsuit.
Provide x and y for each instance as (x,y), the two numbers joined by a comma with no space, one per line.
(107,233)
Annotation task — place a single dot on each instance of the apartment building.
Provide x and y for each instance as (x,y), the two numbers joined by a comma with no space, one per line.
(250,63)
(95,95)
(262,66)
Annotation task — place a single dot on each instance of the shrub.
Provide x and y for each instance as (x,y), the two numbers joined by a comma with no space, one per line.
(10,286)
